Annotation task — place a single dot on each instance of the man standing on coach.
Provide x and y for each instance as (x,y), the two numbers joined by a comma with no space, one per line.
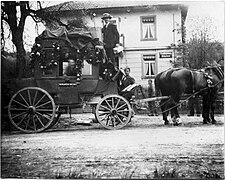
(110,37)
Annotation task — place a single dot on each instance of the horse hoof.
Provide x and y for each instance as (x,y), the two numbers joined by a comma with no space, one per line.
(214,122)
(177,121)
(205,122)
(166,123)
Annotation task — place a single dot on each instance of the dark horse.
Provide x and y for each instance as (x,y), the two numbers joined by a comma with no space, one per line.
(178,81)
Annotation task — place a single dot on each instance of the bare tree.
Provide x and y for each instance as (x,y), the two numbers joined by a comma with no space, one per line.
(201,48)
(14,14)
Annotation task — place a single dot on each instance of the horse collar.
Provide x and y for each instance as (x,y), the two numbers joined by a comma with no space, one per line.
(208,78)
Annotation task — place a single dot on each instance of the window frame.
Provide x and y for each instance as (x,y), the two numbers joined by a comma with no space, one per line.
(143,65)
(141,25)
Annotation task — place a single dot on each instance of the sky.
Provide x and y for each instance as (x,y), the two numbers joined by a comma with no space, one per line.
(211,9)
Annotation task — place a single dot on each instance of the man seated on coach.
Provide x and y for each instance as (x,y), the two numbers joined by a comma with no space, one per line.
(126,81)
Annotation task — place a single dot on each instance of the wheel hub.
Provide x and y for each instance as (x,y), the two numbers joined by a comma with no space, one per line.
(31,110)
(113,112)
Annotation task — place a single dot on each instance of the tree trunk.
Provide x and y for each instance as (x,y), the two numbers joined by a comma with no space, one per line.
(21,53)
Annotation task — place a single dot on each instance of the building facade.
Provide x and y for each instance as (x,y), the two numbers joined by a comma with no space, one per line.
(149,32)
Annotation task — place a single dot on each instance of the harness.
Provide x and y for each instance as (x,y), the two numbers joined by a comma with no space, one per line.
(207,76)
(193,82)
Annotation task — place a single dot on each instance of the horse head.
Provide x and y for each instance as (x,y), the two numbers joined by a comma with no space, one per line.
(215,76)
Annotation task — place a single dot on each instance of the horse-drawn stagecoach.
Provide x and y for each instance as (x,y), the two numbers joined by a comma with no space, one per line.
(37,102)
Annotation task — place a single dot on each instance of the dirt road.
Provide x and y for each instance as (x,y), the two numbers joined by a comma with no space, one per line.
(144,149)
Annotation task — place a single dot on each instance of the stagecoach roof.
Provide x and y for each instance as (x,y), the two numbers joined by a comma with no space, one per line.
(63,32)
(76,39)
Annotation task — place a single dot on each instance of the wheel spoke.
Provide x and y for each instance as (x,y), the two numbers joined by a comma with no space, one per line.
(122,115)
(35,96)
(44,110)
(119,119)
(24,99)
(22,120)
(43,116)
(20,103)
(28,122)
(108,104)
(107,120)
(113,121)
(34,123)
(19,115)
(28,92)
(117,103)
(17,109)
(125,110)
(104,107)
(39,120)
(104,113)
(121,106)
(113,102)
(44,104)
(106,117)
(40,100)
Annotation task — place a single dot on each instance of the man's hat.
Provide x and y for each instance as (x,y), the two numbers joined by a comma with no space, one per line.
(106,15)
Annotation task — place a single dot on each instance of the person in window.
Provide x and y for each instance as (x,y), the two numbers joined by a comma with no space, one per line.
(151,104)
(71,68)
(110,37)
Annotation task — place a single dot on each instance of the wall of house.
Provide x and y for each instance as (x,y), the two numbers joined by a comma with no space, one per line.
(129,25)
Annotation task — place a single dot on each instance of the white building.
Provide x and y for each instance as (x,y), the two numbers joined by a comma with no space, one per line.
(147,31)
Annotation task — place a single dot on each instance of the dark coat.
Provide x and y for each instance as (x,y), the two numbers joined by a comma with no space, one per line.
(110,36)
(126,81)
(151,91)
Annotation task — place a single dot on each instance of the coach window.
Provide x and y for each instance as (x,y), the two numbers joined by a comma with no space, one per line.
(87,69)
(149,65)
(148,28)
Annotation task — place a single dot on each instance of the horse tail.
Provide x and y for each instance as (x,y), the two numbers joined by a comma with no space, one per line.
(157,85)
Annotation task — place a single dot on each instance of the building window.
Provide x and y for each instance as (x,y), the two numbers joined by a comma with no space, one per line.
(148,28)
(149,65)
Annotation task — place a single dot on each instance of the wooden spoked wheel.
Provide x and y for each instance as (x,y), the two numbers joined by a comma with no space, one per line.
(113,112)
(31,110)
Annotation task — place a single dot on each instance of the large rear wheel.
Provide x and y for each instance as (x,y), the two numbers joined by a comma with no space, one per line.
(32,110)
(113,112)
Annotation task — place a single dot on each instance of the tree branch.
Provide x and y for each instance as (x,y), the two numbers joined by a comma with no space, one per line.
(5,19)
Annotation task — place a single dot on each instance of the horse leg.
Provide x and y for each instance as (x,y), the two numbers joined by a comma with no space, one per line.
(212,108)
(176,116)
(163,108)
(205,109)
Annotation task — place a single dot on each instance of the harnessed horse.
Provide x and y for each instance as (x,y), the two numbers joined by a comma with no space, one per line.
(175,82)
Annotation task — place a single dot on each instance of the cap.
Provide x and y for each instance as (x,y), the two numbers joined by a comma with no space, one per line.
(106,15)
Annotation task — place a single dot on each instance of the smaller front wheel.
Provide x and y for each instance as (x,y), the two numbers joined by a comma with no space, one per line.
(113,112)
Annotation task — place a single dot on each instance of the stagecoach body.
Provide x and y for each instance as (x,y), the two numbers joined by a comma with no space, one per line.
(38,101)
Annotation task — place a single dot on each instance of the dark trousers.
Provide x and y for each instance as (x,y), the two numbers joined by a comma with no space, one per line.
(152,107)
(194,104)
(110,55)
